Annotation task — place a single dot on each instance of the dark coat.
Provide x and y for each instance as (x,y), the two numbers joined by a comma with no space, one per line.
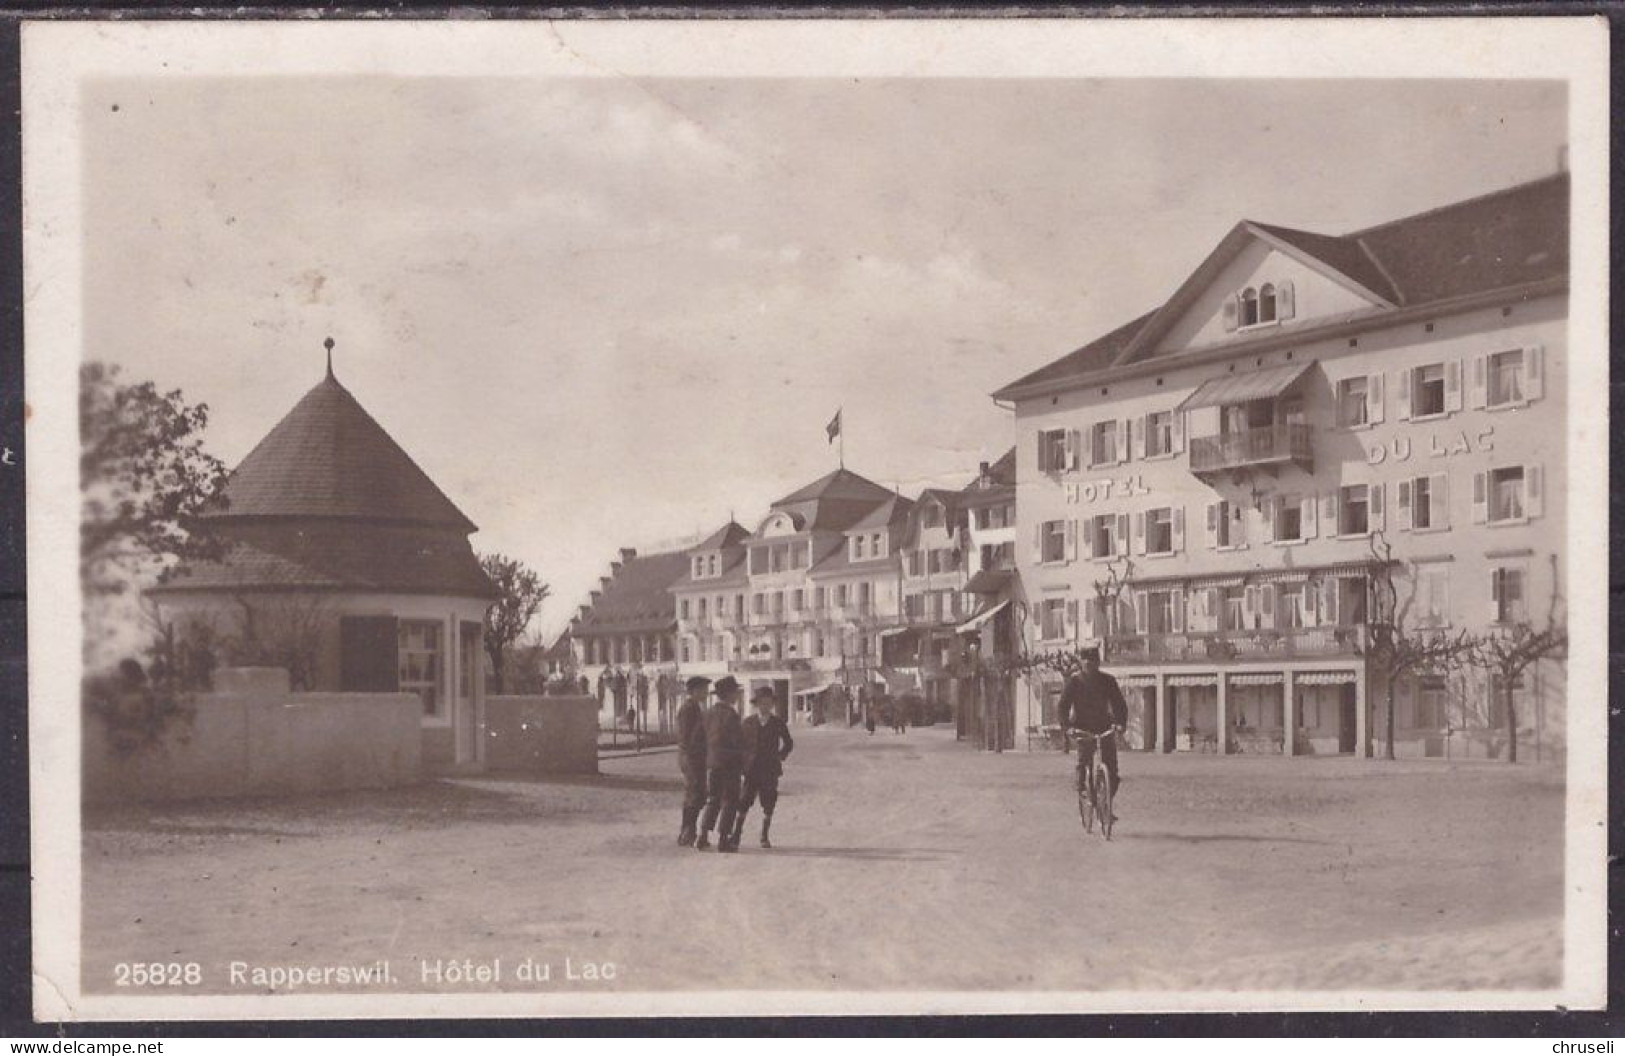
(767,745)
(1093,702)
(724,739)
(691,731)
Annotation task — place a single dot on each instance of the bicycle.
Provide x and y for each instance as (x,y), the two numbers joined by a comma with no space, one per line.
(1095,797)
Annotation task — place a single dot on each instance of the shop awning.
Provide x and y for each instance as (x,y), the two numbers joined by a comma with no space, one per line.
(893,632)
(975,622)
(1251,385)
(1257,678)
(1193,680)
(1325,678)
(814,691)
(1136,681)
(989,581)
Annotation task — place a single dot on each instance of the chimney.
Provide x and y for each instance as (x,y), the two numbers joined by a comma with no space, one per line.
(614,570)
(982,470)
(628,553)
(594,595)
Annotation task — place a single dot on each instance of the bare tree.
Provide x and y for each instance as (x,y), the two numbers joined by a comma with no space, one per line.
(1395,647)
(1508,651)
(282,631)
(520,593)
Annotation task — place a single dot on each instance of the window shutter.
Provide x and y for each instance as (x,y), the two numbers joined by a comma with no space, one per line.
(1179,611)
(1534,361)
(1495,595)
(1122,439)
(1176,430)
(1038,543)
(1481,501)
(1452,385)
(1088,624)
(1439,500)
(1534,499)
(1042,458)
(369,654)
(1072,618)
(1071,540)
(1404,409)
(1375,512)
(1267,510)
(1141,625)
(1228,314)
(1328,600)
(1285,306)
(1478,383)
(1249,607)
(1328,510)
(1139,532)
(1179,528)
(1069,451)
(1308,604)
(1211,535)
(1120,542)
(1308,516)
(1402,511)
(1374,398)
(1137,437)
(1212,605)
(1266,604)
(1238,525)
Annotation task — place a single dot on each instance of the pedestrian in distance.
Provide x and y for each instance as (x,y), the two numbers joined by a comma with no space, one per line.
(869,717)
(691,756)
(767,746)
(724,762)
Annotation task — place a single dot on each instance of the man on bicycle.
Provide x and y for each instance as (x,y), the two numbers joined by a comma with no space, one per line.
(1093,702)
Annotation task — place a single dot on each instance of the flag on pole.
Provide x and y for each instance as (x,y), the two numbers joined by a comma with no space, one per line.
(833,429)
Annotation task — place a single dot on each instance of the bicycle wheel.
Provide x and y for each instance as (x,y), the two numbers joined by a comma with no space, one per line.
(1086,806)
(1103,800)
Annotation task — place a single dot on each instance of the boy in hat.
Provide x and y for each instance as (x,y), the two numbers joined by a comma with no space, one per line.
(767,746)
(724,757)
(691,755)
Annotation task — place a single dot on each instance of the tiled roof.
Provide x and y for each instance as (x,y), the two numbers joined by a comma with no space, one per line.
(321,554)
(1502,240)
(842,484)
(329,458)
(893,509)
(731,574)
(730,534)
(638,598)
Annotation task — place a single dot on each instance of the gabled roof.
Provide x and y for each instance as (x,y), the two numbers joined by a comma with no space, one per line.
(889,512)
(842,485)
(1504,240)
(329,458)
(637,599)
(730,534)
(948,499)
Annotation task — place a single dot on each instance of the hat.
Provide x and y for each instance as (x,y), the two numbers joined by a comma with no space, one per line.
(763,694)
(725,685)
(1091,653)
(697,682)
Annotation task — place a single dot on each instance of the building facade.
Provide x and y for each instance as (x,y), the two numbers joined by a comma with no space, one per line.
(623,640)
(1211,492)
(988,638)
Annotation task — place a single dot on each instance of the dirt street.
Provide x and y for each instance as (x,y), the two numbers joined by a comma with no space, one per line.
(903,862)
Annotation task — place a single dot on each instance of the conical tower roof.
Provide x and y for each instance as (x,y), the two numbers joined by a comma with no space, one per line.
(329,458)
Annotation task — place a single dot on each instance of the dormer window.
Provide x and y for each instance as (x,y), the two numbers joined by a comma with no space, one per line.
(857,548)
(1249,307)
(1262,305)
(1266,303)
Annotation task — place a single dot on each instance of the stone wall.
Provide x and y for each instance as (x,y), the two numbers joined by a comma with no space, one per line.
(545,735)
(260,741)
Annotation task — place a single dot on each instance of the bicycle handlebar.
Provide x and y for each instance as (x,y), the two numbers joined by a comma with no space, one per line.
(1091,734)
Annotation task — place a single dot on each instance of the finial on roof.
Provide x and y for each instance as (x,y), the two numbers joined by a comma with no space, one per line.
(328,344)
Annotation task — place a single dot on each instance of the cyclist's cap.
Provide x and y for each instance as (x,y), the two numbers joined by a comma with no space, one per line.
(1090,654)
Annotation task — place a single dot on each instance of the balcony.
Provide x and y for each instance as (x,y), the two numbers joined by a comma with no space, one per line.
(1223,646)
(1267,447)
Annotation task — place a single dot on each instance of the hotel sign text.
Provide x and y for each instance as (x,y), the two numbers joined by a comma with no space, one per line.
(1125,487)
(1401,449)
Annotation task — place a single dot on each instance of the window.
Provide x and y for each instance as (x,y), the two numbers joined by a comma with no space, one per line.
(418,656)
(1159,531)
(1353,409)
(863,597)
(1159,612)
(699,567)
(758,604)
(1507,593)
(798,555)
(1103,535)
(998,557)
(711,564)
(1506,494)
(1103,443)
(1159,433)
(1266,303)
(796,598)
(1289,604)
(778,603)
(1498,701)
(701,608)
(840,595)
(1505,378)
(818,598)
(1052,542)
(1288,519)
(1052,451)
(932,516)
(1427,390)
(877,545)
(739,606)
(1430,607)
(1227,524)
(1052,619)
(1354,509)
(1432,693)
(688,651)
(1249,307)
(857,548)
(682,609)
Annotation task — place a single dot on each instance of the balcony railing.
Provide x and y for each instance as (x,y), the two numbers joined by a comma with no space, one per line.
(1261,644)
(1270,445)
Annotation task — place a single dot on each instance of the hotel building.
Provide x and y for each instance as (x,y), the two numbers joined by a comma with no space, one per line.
(1239,456)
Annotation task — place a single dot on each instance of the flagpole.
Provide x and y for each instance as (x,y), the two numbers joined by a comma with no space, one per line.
(841,436)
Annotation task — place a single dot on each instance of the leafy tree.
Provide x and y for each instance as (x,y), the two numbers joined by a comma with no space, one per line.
(1508,651)
(520,596)
(1395,647)
(144,474)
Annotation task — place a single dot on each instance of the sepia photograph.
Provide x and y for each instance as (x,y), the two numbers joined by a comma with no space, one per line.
(729,518)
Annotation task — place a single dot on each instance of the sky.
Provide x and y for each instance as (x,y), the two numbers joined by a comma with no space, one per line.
(610,312)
